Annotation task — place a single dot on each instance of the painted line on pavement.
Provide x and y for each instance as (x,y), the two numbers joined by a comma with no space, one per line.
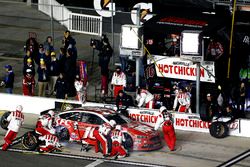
(235,159)
(90,158)
(95,163)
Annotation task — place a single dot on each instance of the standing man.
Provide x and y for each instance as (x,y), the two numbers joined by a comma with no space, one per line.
(118,81)
(164,119)
(15,120)
(182,101)
(9,79)
(145,97)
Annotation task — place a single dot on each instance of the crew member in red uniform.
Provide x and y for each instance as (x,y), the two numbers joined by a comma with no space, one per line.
(145,97)
(101,134)
(45,123)
(118,80)
(15,120)
(117,138)
(28,83)
(164,120)
(51,143)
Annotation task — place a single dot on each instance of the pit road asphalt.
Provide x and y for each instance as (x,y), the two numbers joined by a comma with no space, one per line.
(192,149)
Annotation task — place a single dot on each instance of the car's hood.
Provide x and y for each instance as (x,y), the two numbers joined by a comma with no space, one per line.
(138,128)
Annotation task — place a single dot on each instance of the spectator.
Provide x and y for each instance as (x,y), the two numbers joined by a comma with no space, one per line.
(69,43)
(43,78)
(118,81)
(212,106)
(124,62)
(70,73)
(41,54)
(28,83)
(9,79)
(61,87)
(29,65)
(32,46)
(26,57)
(48,44)
(61,59)
(145,97)
(53,73)
(182,101)
(241,99)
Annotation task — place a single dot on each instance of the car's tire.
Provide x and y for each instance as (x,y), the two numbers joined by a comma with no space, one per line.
(205,113)
(219,129)
(62,133)
(128,144)
(30,141)
(3,122)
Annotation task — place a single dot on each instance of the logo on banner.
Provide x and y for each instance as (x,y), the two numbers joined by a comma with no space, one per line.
(104,7)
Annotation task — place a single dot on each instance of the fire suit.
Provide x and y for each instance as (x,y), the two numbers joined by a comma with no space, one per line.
(119,82)
(44,125)
(164,120)
(183,99)
(117,147)
(15,120)
(101,134)
(81,92)
(145,97)
(51,143)
(28,86)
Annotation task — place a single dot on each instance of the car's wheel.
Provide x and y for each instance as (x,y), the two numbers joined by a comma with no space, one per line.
(219,129)
(128,144)
(3,122)
(62,133)
(30,141)
(206,113)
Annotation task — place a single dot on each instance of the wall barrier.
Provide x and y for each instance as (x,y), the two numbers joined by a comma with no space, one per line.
(186,122)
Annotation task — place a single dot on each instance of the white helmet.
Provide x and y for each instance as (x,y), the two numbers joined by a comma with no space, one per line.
(51,113)
(19,108)
(118,127)
(163,108)
(112,123)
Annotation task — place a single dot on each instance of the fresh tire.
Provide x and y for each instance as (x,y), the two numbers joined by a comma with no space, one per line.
(128,144)
(219,129)
(30,141)
(3,122)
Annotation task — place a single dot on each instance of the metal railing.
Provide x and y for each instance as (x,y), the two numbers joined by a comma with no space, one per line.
(87,24)
(75,22)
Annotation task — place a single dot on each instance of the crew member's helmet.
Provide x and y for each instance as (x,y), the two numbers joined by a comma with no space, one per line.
(112,123)
(162,109)
(118,127)
(51,113)
(19,108)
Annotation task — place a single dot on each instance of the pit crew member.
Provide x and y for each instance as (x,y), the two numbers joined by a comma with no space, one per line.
(45,124)
(51,143)
(118,80)
(117,138)
(16,120)
(182,99)
(144,96)
(164,120)
(102,135)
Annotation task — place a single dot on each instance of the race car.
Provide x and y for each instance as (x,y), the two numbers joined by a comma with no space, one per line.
(139,136)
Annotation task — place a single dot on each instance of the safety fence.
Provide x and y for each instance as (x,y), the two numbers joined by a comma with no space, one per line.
(75,22)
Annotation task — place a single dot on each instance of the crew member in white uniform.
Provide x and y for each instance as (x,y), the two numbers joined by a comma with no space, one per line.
(16,120)
(118,81)
(145,97)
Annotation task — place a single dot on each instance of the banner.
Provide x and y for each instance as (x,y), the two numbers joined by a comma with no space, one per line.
(182,69)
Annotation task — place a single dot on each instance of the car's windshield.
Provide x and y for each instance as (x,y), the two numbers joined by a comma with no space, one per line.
(119,119)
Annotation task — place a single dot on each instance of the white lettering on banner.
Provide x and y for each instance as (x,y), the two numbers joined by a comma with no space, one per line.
(144,13)
(100,8)
(144,118)
(246,40)
(179,69)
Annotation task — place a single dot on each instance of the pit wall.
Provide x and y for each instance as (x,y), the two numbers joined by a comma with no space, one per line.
(182,121)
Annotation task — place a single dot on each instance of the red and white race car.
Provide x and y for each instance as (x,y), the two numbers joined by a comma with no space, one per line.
(139,136)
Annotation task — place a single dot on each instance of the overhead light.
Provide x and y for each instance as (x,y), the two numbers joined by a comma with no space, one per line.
(212,13)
